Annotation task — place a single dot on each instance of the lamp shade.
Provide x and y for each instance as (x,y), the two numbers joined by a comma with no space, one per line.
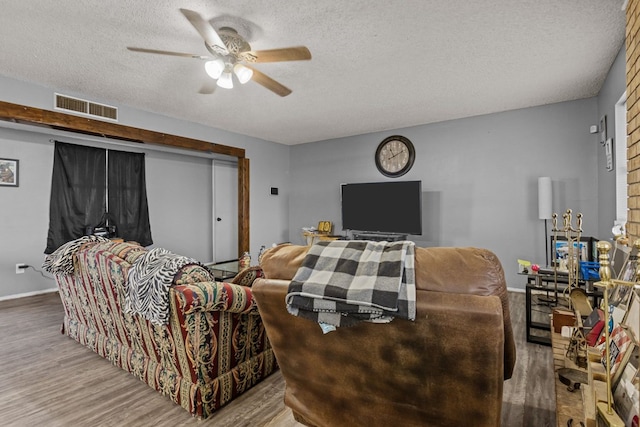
(243,73)
(225,80)
(214,68)
(544,197)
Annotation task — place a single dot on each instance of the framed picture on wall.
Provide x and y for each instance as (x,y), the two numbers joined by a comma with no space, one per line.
(9,172)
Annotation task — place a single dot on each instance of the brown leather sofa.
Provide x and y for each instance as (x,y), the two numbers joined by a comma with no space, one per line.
(445,369)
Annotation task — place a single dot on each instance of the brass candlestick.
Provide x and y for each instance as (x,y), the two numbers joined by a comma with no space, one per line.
(573,240)
(606,414)
(572,235)
(554,255)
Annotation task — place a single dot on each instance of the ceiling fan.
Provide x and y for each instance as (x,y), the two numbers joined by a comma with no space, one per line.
(231,54)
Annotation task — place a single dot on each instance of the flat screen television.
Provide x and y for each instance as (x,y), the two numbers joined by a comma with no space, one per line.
(383,207)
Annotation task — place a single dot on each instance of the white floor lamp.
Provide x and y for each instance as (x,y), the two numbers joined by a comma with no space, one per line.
(545,208)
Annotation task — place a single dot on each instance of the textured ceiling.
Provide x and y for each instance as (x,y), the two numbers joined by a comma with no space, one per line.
(376,65)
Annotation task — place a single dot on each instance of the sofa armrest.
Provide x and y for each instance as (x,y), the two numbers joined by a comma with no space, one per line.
(247,276)
(214,296)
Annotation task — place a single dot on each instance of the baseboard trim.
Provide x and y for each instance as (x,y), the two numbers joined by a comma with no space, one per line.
(519,290)
(28,294)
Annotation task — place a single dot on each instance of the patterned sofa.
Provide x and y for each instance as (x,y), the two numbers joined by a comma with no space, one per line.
(213,348)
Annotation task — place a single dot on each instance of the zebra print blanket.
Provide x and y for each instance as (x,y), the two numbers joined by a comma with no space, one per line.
(61,260)
(148,283)
(341,283)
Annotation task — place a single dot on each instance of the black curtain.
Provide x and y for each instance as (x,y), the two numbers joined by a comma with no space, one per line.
(128,207)
(78,190)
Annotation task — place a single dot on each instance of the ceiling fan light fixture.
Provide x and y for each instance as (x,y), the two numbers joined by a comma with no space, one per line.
(228,47)
(214,68)
(243,73)
(225,81)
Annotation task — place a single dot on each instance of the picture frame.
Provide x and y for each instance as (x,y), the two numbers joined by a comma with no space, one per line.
(559,248)
(9,172)
(620,296)
(629,272)
(324,227)
(625,405)
(632,316)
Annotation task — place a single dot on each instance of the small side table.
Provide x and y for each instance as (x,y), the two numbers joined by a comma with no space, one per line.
(224,270)
(540,302)
(537,315)
(311,237)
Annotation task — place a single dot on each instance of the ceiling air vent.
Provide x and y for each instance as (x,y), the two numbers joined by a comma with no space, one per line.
(86,108)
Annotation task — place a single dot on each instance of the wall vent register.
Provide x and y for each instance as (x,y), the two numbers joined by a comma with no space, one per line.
(85,108)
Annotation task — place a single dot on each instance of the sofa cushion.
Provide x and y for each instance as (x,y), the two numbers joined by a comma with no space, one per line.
(459,270)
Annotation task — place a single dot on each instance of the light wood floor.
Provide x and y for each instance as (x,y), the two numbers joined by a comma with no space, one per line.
(47,379)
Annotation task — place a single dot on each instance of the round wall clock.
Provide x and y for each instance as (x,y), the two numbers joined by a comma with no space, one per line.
(395,156)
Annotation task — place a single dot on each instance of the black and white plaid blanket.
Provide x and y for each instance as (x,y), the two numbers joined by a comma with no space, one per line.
(341,283)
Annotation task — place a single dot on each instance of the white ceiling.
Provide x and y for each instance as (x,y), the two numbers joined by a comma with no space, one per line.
(377,64)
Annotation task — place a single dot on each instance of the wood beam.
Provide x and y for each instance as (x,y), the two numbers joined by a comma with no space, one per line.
(57,120)
(243,206)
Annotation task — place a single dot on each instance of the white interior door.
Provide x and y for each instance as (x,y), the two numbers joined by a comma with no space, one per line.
(225,211)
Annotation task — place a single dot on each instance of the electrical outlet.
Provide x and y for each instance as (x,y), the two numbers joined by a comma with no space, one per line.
(20,268)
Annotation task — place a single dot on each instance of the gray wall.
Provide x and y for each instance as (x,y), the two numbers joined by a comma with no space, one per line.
(610,93)
(479,178)
(178,186)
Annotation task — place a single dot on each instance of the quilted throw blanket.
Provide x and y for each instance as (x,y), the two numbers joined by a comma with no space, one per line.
(341,283)
(148,283)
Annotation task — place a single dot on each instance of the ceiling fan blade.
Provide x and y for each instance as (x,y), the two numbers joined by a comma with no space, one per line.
(166,52)
(298,53)
(269,83)
(205,30)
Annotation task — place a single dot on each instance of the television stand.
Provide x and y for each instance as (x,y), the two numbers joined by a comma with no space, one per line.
(377,237)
